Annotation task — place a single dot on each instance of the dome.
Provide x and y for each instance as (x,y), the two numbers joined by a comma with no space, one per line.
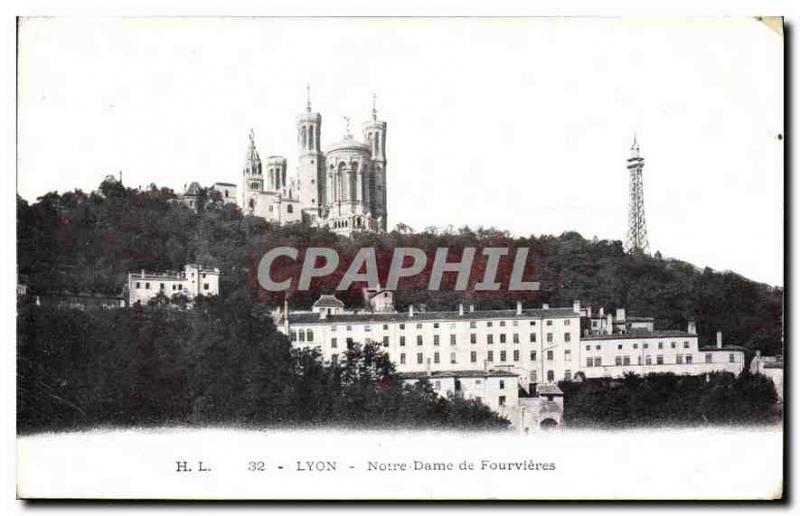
(349,143)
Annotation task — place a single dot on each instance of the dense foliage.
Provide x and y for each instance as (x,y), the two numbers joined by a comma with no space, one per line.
(88,242)
(219,363)
(667,399)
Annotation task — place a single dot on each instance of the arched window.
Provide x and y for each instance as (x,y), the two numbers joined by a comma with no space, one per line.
(302,335)
(303,136)
(283,177)
(289,208)
(340,181)
(311,137)
(354,180)
(310,336)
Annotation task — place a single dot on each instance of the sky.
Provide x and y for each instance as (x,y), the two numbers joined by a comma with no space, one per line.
(522,124)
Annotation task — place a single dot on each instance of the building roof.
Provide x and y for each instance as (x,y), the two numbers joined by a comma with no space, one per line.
(537,313)
(549,388)
(327,301)
(194,188)
(639,319)
(218,183)
(467,373)
(349,143)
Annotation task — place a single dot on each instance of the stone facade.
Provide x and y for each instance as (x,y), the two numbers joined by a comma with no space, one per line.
(343,189)
(192,281)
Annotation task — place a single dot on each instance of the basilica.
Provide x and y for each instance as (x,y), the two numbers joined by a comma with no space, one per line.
(342,188)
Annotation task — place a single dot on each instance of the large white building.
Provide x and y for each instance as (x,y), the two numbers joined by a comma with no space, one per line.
(342,188)
(192,281)
(468,351)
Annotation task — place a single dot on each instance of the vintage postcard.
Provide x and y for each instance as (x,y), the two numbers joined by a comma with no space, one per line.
(309,258)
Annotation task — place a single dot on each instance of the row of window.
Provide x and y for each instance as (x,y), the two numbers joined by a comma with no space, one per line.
(163,286)
(437,384)
(645,345)
(307,335)
(436,325)
(648,360)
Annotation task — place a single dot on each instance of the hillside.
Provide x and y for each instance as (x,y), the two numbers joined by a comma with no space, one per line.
(81,242)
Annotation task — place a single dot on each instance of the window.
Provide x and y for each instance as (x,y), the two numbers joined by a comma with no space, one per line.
(161,286)
(708,358)
(566,322)
(688,359)
(473,356)
(147,286)
(501,401)
(385,326)
(533,356)
(302,334)
(385,341)
(731,358)
(348,327)
(635,346)
(436,358)
(402,358)
(419,340)
(686,344)
(551,376)
(293,335)
(588,361)
(419,326)
(647,360)
(567,355)
(533,376)
(488,324)
(472,324)
(639,360)
(402,326)
(515,323)
(138,285)
(502,338)
(617,360)
(549,337)
(452,358)
(567,337)
(660,360)
(333,343)
(436,325)
(660,345)
(334,358)
(473,339)
(550,354)
(549,323)
(437,384)
(502,384)
(435,340)
(490,356)
(515,338)
(502,323)
(588,348)
(619,346)
(533,337)
(310,335)
(367,327)
(597,347)
(672,345)
(598,361)
(402,340)
(679,359)
(419,358)
(452,339)
(533,323)
(645,345)
(503,355)
(626,360)
(567,375)
(490,339)
(516,355)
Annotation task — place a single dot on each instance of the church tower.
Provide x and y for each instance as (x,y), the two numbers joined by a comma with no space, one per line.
(253,180)
(310,163)
(375,138)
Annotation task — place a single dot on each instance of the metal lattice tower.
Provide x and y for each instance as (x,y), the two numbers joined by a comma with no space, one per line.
(636,240)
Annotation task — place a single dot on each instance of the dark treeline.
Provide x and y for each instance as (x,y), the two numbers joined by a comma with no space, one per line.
(82,242)
(667,399)
(219,363)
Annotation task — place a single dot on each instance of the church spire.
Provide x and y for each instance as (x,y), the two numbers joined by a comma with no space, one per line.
(374,109)
(308,98)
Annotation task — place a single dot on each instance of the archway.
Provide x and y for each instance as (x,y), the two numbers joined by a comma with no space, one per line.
(548,424)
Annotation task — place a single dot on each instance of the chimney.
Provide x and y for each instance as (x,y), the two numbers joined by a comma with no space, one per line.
(411,310)
(460,309)
(621,314)
(519,307)
(589,311)
(576,306)
(545,306)
(692,328)
(602,312)
(719,339)
(609,324)
(471,307)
